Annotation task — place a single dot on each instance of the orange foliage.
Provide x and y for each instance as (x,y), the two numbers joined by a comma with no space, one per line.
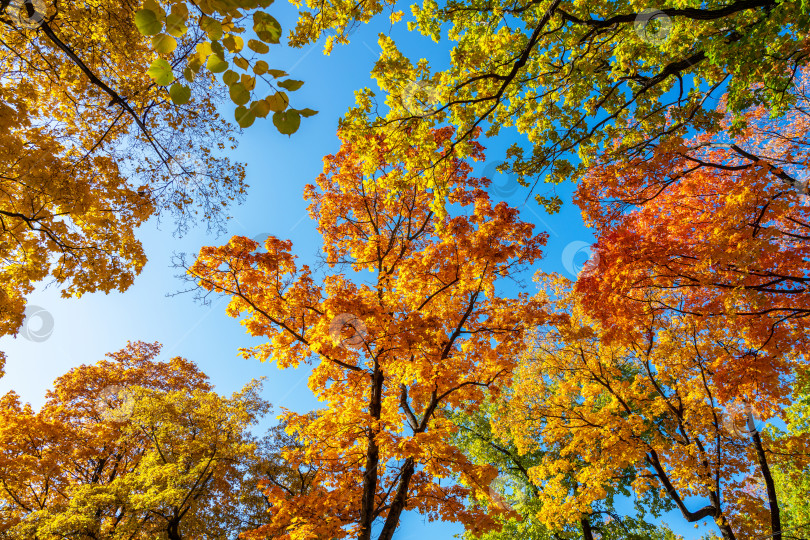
(128,448)
(429,332)
(715,229)
(646,412)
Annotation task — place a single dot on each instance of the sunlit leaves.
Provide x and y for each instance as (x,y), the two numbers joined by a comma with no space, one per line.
(212,27)
(160,441)
(287,122)
(147,22)
(176,25)
(164,44)
(161,72)
(180,93)
(235,44)
(576,78)
(92,95)
(266,27)
(291,84)
(215,64)
(260,67)
(219,49)
(258,46)
(642,409)
(239,94)
(735,254)
(430,328)
(278,101)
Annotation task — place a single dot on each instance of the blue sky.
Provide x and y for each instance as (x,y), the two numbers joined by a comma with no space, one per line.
(277,169)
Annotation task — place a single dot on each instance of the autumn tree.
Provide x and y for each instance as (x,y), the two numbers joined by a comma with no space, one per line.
(108,116)
(514,498)
(409,324)
(791,469)
(712,229)
(129,448)
(647,410)
(573,77)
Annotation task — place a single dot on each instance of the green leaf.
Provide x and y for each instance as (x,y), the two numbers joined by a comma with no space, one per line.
(291,85)
(267,37)
(260,108)
(217,49)
(147,22)
(233,43)
(188,74)
(260,68)
(161,72)
(212,27)
(239,94)
(306,113)
(266,26)
(277,73)
(278,101)
(215,64)
(230,77)
(164,44)
(176,25)
(258,46)
(244,116)
(180,93)
(287,122)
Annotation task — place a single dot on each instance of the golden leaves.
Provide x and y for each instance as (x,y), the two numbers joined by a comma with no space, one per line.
(122,446)
(431,327)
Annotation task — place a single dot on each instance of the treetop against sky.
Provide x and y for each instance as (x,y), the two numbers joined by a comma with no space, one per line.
(438,148)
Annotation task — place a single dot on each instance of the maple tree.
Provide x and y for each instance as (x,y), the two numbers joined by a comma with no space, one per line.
(711,229)
(647,411)
(132,448)
(515,490)
(425,332)
(572,76)
(108,116)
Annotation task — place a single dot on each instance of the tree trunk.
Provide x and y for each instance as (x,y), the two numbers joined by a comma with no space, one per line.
(587,532)
(773,503)
(372,458)
(400,499)
(173,531)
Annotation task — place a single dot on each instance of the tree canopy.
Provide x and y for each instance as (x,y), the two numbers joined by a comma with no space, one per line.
(670,378)
(578,79)
(129,447)
(109,116)
(426,331)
